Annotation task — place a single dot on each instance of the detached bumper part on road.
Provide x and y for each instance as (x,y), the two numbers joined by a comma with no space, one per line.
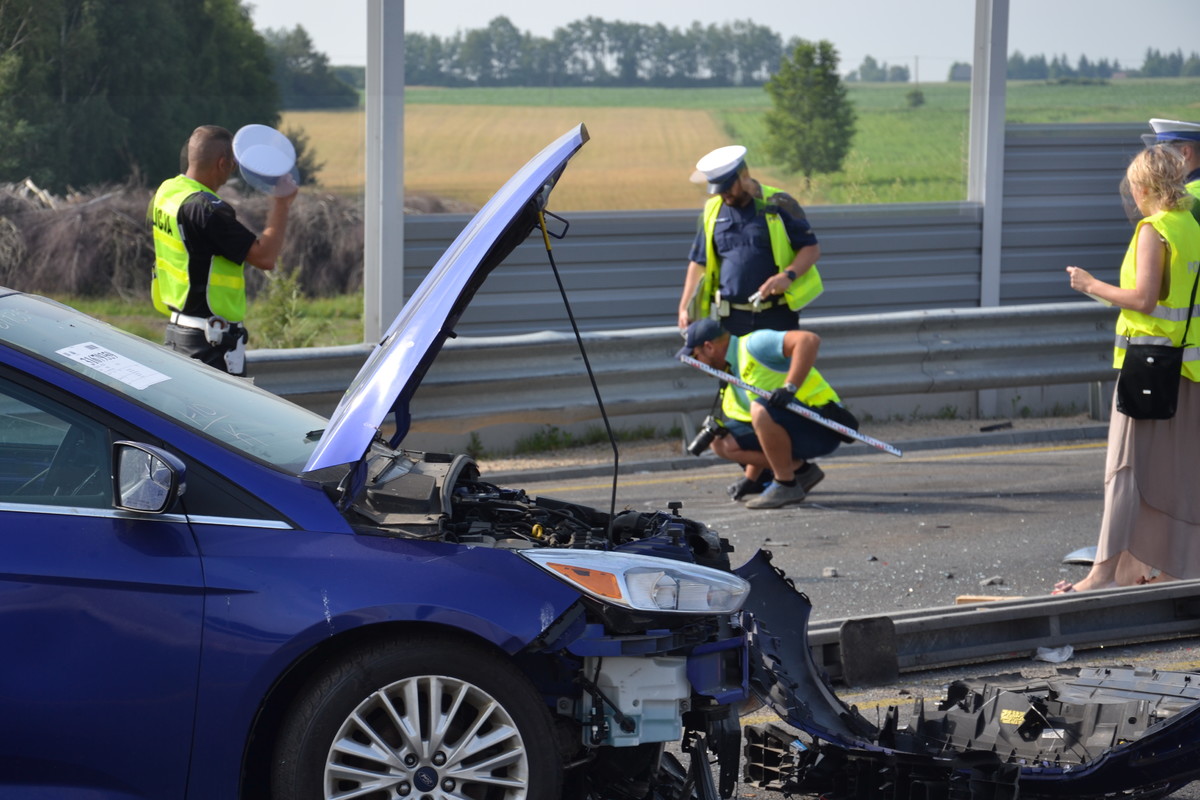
(1101,733)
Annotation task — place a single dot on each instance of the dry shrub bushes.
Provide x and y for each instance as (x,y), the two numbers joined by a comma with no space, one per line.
(324,245)
(98,244)
(93,245)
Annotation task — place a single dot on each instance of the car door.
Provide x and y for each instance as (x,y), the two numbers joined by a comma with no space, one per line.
(100,616)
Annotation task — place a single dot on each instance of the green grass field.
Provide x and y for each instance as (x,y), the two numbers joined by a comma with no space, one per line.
(1028,101)
(460,142)
(331,320)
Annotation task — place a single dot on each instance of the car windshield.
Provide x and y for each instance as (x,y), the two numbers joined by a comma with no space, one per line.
(230,410)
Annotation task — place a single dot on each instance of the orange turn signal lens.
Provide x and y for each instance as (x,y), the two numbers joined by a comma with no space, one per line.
(602,584)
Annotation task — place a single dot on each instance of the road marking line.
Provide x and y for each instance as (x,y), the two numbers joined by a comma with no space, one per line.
(691,476)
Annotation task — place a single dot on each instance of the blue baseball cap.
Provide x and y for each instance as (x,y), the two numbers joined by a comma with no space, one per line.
(699,332)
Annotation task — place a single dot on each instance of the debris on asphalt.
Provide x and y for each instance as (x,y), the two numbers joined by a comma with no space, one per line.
(1054,655)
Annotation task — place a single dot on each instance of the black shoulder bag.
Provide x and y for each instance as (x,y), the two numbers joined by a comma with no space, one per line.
(1148,385)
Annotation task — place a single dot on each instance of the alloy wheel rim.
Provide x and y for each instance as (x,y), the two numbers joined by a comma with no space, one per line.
(428,737)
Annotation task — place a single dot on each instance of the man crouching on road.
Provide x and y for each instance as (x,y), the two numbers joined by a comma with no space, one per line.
(762,434)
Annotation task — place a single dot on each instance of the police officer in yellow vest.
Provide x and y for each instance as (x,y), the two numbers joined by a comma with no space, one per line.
(753,262)
(200,249)
(1184,138)
(761,433)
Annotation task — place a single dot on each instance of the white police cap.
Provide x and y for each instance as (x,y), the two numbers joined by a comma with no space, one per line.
(1172,130)
(720,167)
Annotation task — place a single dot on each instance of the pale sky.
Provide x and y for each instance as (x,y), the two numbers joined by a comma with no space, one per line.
(925,35)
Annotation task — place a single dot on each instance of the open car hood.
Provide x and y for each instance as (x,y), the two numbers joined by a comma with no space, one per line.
(396,366)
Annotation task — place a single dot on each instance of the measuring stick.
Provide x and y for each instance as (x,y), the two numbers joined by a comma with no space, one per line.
(795,408)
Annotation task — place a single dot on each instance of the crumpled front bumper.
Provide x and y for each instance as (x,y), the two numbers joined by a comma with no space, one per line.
(848,757)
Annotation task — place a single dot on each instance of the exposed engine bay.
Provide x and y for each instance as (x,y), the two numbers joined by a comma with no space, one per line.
(441,497)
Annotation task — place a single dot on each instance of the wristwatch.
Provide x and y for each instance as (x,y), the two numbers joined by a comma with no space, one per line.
(791,273)
(791,388)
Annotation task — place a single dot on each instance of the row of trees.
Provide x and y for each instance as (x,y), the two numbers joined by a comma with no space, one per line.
(1037,68)
(597,52)
(1170,65)
(872,70)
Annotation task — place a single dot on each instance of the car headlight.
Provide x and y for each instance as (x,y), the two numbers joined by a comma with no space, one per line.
(644,583)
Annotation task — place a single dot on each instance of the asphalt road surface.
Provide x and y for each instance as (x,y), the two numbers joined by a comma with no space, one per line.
(899,533)
(882,534)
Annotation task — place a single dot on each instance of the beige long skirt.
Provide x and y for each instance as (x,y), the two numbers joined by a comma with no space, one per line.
(1151,498)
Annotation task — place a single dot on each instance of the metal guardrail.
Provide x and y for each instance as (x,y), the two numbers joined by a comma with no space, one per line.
(864,650)
(539,378)
(314,377)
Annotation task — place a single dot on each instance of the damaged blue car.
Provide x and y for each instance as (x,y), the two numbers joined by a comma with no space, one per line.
(209,592)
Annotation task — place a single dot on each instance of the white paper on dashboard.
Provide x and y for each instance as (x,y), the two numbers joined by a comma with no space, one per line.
(114,365)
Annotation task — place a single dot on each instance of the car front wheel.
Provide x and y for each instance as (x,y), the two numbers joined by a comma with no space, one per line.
(426,718)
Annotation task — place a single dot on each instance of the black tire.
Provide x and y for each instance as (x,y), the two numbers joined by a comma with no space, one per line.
(492,738)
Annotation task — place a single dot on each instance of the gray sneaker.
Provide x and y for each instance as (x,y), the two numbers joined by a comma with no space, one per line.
(744,487)
(809,476)
(777,495)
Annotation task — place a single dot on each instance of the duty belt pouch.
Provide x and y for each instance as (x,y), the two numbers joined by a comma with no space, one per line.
(235,353)
(720,306)
(216,331)
(835,412)
(1148,384)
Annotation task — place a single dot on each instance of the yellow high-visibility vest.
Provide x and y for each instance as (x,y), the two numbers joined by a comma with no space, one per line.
(735,401)
(226,289)
(1165,324)
(803,290)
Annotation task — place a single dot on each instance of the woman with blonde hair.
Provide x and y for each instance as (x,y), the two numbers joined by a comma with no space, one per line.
(1151,524)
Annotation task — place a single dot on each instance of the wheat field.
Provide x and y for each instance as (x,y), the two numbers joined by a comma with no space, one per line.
(462,144)
(637,158)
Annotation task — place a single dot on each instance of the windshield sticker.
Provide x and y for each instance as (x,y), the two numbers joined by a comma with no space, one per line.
(114,365)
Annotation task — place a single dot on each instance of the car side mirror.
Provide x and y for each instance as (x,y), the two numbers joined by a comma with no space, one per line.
(147,478)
